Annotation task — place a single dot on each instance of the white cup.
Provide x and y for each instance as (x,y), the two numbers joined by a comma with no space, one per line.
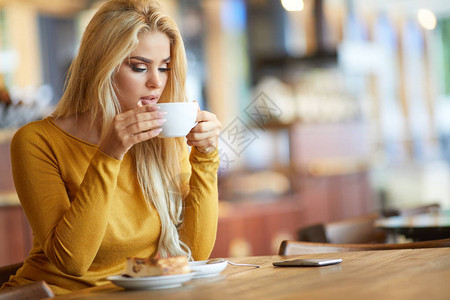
(180,118)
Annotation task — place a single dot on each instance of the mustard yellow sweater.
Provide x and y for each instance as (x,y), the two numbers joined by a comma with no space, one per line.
(88,213)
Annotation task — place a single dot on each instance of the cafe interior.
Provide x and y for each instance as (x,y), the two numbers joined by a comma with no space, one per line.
(335,113)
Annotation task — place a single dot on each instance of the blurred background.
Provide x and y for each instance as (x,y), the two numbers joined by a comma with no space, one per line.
(330,109)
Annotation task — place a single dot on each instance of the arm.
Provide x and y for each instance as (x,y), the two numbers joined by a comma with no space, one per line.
(201,205)
(70,233)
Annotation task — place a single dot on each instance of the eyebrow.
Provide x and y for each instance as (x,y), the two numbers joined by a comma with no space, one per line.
(146,60)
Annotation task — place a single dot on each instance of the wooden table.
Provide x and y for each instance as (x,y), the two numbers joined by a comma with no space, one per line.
(420,227)
(389,274)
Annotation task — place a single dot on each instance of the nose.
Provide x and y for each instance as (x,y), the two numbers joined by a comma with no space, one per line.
(154,79)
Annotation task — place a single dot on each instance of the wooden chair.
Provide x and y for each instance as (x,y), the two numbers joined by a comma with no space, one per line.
(315,233)
(350,231)
(7,271)
(299,247)
(33,291)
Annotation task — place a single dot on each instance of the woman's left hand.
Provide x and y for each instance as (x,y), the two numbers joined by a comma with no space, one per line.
(205,135)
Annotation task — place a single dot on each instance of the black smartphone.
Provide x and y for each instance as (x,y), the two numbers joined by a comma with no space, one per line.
(306,262)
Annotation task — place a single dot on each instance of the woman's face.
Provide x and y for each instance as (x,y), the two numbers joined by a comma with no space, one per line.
(143,76)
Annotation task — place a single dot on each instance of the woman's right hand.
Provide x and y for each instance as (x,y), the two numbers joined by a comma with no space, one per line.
(131,127)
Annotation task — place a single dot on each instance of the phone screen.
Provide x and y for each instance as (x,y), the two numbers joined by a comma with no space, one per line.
(306,262)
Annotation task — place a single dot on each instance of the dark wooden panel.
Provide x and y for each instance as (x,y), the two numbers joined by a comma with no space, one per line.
(314,194)
(12,249)
(15,235)
(257,227)
(6,182)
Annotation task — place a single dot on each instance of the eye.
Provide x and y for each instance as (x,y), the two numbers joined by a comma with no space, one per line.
(136,69)
(164,68)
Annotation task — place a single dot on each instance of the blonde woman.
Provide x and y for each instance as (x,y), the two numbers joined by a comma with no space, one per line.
(96,184)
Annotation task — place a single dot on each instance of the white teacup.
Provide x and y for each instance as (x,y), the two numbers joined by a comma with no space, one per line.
(180,118)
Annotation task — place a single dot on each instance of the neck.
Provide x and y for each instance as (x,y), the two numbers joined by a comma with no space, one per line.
(81,127)
(88,128)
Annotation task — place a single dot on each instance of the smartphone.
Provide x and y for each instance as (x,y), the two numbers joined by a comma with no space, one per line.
(306,262)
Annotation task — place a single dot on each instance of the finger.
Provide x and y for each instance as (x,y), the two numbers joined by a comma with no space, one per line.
(128,120)
(147,116)
(207,126)
(198,136)
(140,109)
(205,135)
(145,126)
(205,145)
(144,136)
(203,115)
(203,127)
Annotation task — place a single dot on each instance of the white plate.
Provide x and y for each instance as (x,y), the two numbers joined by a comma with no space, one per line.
(202,269)
(150,282)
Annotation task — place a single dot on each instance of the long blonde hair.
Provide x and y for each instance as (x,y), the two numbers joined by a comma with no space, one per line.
(112,34)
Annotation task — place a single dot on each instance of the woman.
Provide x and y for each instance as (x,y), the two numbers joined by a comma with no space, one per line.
(96,184)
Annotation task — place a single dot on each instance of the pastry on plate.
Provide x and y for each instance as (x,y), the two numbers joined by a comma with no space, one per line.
(140,267)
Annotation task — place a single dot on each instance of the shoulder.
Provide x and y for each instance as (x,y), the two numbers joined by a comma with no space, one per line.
(32,133)
(32,129)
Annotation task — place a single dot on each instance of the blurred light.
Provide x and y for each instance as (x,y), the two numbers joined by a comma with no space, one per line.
(292,5)
(9,60)
(426,18)
(233,15)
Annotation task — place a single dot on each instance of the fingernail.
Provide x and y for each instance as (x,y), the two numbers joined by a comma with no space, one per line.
(162,113)
(161,121)
(158,130)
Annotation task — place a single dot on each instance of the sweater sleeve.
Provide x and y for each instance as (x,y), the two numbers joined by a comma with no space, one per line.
(69,232)
(201,205)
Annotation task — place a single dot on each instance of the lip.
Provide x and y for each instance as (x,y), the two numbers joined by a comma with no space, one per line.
(149,100)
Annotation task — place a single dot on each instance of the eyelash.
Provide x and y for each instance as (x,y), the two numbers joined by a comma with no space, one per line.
(136,69)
